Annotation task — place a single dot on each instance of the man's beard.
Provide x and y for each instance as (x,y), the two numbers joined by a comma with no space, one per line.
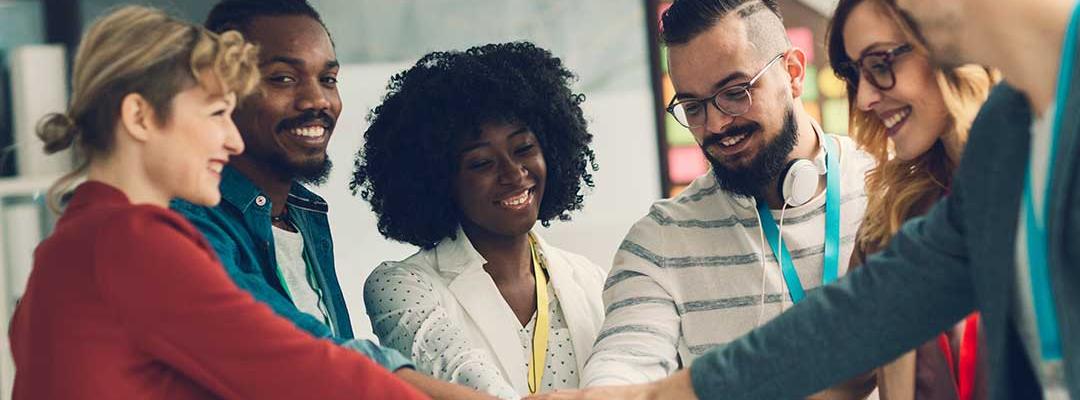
(751,180)
(312,173)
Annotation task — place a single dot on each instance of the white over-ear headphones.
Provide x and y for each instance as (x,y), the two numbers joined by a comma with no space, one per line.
(799,181)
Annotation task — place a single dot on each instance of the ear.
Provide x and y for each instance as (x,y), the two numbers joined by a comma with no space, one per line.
(137,117)
(796,68)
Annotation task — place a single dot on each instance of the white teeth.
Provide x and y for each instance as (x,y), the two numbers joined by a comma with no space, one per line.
(896,118)
(312,131)
(216,167)
(517,200)
(732,140)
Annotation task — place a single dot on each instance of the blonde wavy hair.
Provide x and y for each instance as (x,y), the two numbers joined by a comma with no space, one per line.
(137,49)
(901,189)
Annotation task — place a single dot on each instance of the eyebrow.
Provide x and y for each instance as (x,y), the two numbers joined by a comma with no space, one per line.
(878,46)
(477,145)
(296,62)
(716,86)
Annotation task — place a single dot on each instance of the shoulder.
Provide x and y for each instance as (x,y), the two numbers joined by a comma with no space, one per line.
(148,233)
(1006,109)
(852,158)
(701,205)
(200,216)
(185,208)
(408,271)
(140,222)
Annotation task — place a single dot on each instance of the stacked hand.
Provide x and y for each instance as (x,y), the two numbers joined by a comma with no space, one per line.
(676,386)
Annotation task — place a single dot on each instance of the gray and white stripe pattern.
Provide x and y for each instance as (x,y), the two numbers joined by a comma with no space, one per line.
(688,276)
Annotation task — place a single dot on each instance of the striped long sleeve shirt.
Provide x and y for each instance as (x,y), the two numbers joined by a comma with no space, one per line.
(689,275)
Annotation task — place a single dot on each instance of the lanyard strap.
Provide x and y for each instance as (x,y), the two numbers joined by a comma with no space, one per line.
(831,266)
(540,330)
(1036,222)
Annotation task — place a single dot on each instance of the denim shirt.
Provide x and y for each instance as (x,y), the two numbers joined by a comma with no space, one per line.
(240,232)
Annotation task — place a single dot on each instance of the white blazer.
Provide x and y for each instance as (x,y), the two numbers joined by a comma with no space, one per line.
(461,302)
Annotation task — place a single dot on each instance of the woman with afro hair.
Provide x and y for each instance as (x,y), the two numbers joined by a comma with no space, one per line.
(466,153)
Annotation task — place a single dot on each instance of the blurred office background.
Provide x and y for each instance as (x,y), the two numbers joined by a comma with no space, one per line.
(610,44)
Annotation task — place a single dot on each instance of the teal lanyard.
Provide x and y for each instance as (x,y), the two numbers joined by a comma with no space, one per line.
(832,228)
(1035,222)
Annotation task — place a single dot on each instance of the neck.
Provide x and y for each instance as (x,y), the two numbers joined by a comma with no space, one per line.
(508,257)
(806,147)
(124,171)
(275,186)
(1031,69)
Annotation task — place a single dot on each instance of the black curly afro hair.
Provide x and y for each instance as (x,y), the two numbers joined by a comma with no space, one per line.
(409,159)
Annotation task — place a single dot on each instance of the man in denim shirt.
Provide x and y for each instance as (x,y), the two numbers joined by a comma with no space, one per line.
(270,232)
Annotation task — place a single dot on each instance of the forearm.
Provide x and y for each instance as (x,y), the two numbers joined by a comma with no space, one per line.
(438,389)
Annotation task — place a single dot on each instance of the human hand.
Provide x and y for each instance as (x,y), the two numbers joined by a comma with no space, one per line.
(676,386)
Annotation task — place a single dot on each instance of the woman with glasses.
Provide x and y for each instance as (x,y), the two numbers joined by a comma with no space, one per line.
(913,117)
(466,153)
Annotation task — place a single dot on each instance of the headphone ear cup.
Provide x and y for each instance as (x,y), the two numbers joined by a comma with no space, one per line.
(800,180)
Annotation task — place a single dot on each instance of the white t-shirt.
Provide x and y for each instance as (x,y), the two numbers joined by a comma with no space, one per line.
(1050,374)
(289,249)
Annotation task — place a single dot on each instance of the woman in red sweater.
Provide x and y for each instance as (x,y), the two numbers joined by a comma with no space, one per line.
(126,299)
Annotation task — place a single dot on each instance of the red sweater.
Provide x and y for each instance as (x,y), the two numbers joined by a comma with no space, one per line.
(129,302)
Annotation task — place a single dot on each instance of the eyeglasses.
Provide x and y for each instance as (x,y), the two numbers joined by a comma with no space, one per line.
(733,100)
(876,65)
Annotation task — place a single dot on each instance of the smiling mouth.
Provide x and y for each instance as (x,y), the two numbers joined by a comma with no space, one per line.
(309,136)
(896,118)
(216,166)
(519,201)
(731,141)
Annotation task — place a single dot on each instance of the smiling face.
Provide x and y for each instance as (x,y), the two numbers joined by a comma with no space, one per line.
(749,150)
(288,123)
(500,181)
(186,153)
(913,111)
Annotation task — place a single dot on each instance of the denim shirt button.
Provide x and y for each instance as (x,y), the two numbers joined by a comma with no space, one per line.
(260,201)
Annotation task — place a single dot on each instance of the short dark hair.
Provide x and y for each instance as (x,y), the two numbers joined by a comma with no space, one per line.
(686,19)
(410,156)
(237,14)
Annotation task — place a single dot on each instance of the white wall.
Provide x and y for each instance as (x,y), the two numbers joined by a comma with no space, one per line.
(627,182)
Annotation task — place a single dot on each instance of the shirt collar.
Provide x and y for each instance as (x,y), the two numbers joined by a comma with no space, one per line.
(238,190)
(458,254)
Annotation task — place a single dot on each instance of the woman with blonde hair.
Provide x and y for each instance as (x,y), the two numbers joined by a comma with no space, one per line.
(913,117)
(126,298)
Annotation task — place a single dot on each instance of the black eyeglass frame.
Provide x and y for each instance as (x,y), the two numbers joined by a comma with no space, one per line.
(852,70)
(714,98)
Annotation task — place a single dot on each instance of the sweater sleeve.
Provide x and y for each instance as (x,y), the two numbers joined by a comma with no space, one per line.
(917,287)
(407,315)
(181,308)
(638,340)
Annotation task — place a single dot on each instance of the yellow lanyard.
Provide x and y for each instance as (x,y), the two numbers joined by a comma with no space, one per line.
(540,330)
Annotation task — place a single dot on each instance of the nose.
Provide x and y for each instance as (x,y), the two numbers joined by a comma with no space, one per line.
(234,143)
(716,120)
(866,96)
(511,172)
(313,96)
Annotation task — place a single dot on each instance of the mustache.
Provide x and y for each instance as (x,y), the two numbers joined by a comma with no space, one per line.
(733,131)
(320,116)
